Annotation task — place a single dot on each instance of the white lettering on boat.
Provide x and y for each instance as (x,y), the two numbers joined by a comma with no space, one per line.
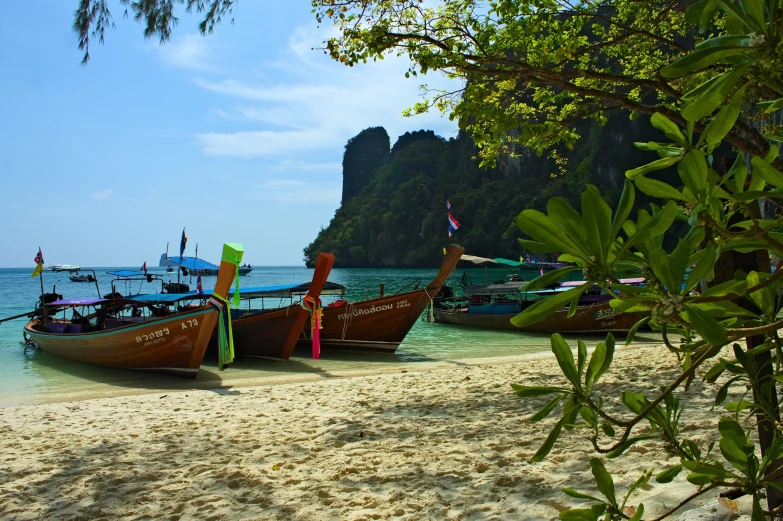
(604,313)
(153,337)
(189,323)
(367,311)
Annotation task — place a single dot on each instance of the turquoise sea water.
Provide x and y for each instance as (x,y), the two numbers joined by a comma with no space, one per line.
(28,376)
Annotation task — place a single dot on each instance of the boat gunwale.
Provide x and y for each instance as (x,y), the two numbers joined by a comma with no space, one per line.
(200,311)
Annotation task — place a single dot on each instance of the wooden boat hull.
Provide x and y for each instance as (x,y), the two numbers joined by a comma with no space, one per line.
(171,345)
(594,318)
(274,333)
(379,324)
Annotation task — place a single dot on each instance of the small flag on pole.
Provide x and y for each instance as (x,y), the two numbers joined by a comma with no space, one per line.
(542,270)
(448,205)
(39,264)
(199,287)
(453,225)
(144,267)
(183,242)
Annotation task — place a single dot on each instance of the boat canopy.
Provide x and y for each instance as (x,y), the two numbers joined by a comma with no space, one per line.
(77,302)
(193,263)
(478,260)
(574,283)
(250,292)
(126,273)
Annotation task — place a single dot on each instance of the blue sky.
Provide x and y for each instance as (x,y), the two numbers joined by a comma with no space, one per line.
(238,136)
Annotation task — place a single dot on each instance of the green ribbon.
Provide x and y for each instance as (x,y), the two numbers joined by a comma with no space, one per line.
(225,334)
(233,252)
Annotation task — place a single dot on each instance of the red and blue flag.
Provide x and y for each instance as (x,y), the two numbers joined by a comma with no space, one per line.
(453,225)
(199,287)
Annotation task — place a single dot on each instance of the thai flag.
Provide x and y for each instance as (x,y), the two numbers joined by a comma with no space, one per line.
(199,287)
(542,270)
(453,225)
(448,205)
(39,258)
(144,267)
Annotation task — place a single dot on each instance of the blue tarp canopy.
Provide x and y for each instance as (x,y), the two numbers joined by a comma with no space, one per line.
(193,263)
(279,290)
(126,273)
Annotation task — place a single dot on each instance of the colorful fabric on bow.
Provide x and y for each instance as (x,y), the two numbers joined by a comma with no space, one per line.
(225,333)
(313,305)
(233,254)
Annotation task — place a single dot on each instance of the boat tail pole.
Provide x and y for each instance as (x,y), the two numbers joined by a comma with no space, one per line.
(232,256)
(323,265)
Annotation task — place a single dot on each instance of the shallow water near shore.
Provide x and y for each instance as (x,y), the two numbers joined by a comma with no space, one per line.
(29,376)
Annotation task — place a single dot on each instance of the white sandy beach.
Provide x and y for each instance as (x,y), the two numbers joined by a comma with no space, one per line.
(449,442)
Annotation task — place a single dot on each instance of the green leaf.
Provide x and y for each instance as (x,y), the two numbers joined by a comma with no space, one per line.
(724,121)
(537,247)
(659,262)
(702,268)
(706,326)
(544,308)
(595,365)
(668,475)
(754,13)
(632,332)
(694,171)
(713,469)
(713,95)
(659,189)
(767,172)
(624,208)
(771,106)
(699,59)
(578,495)
(669,128)
(578,514)
(603,480)
(527,391)
(699,480)
(639,513)
(589,416)
(546,448)
(658,164)
(547,409)
(608,429)
(582,355)
(730,287)
(597,220)
(548,278)
(565,358)
(544,230)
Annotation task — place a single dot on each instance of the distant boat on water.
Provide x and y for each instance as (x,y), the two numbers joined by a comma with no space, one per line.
(195,265)
(492,306)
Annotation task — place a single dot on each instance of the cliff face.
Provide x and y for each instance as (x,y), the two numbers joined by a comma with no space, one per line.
(364,154)
(393,212)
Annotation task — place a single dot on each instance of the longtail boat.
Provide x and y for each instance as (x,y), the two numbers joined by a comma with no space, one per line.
(379,324)
(492,306)
(273,333)
(172,344)
(269,333)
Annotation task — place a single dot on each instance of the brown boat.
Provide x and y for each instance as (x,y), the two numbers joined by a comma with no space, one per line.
(379,324)
(273,333)
(591,318)
(171,344)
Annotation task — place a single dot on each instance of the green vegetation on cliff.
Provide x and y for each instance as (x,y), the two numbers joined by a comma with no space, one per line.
(393,211)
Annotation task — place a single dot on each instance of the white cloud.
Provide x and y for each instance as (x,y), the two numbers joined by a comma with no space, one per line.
(190,51)
(319,104)
(103,194)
